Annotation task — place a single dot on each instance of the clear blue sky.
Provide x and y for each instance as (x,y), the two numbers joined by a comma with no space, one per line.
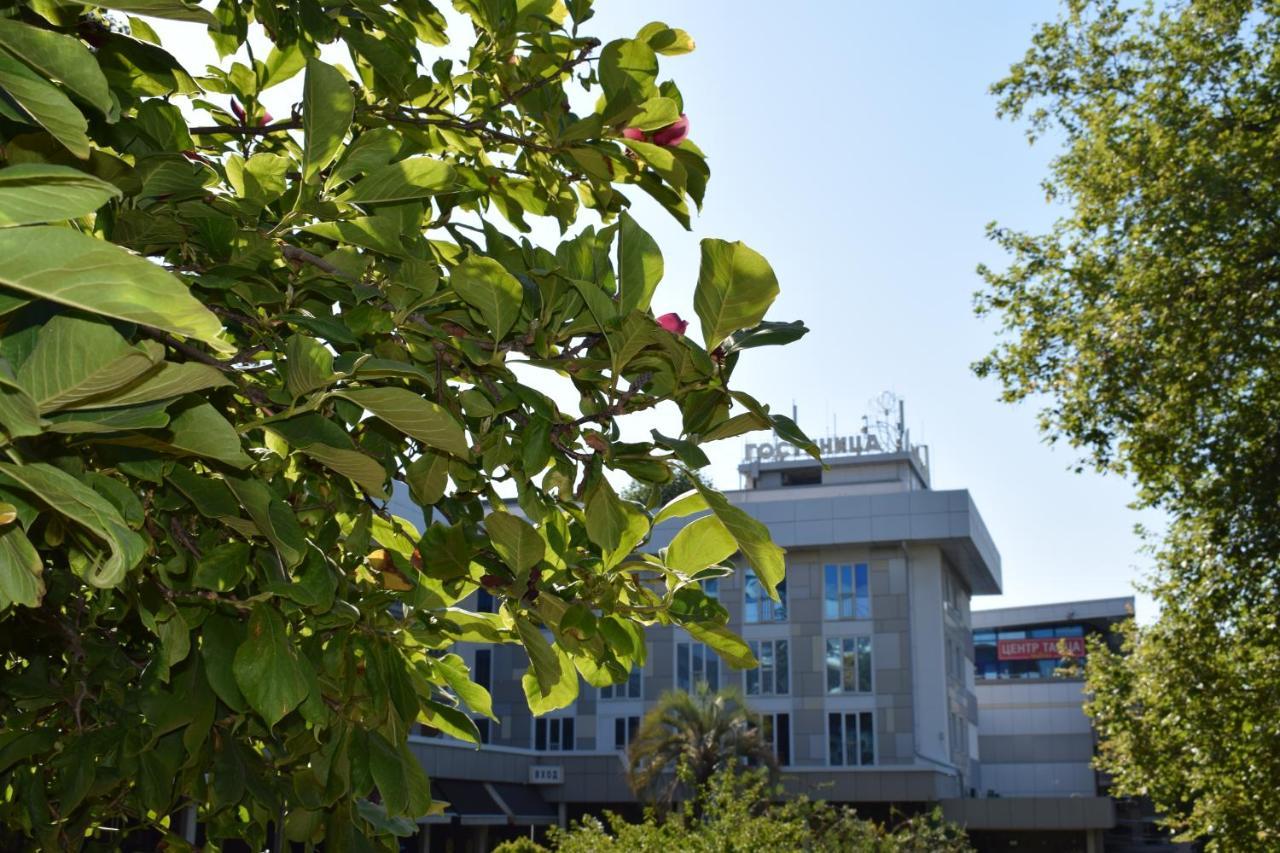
(855,146)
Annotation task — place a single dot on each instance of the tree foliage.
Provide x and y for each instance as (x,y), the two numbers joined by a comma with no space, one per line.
(657,494)
(225,337)
(1148,319)
(685,739)
(743,814)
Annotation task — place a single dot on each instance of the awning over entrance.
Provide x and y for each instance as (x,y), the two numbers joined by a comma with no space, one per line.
(490,804)
(524,803)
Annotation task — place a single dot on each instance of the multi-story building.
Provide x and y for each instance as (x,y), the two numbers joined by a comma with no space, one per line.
(1038,789)
(866,679)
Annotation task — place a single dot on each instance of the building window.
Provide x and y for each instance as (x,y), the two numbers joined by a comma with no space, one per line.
(711,588)
(629,689)
(624,732)
(851,739)
(802,476)
(772,676)
(776,731)
(553,734)
(847,591)
(484,601)
(849,665)
(482,671)
(695,664)
(759,607)
(482,724)
(1038,658)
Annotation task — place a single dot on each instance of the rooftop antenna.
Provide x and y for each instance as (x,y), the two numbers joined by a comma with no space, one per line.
(795,413)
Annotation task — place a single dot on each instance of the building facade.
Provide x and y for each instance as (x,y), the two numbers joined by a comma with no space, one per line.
(866,683)
(1037,745)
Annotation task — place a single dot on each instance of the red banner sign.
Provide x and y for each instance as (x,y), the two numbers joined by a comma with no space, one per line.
(1045,648)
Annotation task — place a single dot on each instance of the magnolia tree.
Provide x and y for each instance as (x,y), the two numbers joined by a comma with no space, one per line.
(226,336)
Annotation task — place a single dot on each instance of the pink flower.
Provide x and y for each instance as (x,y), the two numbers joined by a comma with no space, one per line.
(673,324)
(237,110)
(266,118)
(674,133)
(670,136)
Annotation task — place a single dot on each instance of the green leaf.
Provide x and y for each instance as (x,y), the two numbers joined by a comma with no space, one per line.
(606,516)
(42,192)
(21,569)
(665,40)
(617,526)
(166,381)
(58,57)
(485,285)
(458,677)
(628,71)
(127,419)
(45,103)
(220,637)
(416,177)
(727,644)
(266,666)
(446,553)
(272,516)
(327,108)
(72,499)
(413,416)
(76,359)
(428,477)
(543,660)
(662,159)
(201,429)
(516,540)
(223,567)
(700,543)
(308,365)
(74,269)
(174,10)
(766,334)
(765,557)
(363,469)
(404,788)
(640,265)
(18,413)
(735,288)
(449,720)
(561,695)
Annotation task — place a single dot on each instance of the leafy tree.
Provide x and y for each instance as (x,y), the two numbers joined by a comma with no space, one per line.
(1148,318)
(743,814)
(225,336)
(687,738)
(657,494)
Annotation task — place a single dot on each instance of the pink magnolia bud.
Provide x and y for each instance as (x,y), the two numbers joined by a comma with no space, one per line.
(673,324)
(633,133)
(237,110)
(266,118)
(674,133)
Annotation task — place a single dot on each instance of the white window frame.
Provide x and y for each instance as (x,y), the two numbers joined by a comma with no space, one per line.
(708,654)
(773,730)
(844,716)
(627,730)
(852,592)
(857,674)
(759,671)
(559,726)
(764,610)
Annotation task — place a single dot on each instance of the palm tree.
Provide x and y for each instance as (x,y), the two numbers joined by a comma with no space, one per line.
(686,739)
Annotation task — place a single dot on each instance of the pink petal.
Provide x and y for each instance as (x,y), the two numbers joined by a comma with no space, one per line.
(674,133)
(673,324)
(633,133)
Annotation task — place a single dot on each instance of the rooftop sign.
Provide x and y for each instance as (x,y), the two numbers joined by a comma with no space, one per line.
(845,445)
(1045,648)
